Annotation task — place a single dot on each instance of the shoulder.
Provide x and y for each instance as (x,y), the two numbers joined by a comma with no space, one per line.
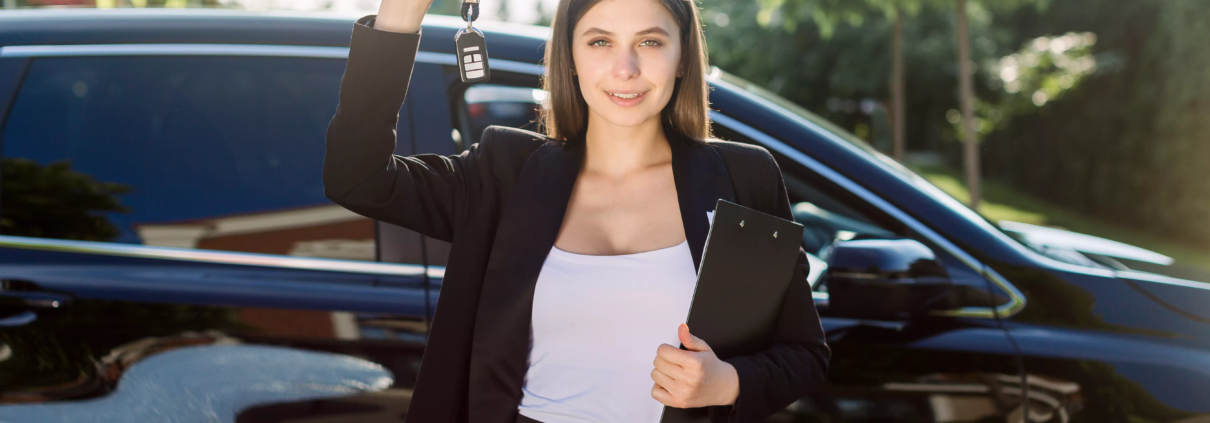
(505,142)
(754,173)
(508,148)
(745,158)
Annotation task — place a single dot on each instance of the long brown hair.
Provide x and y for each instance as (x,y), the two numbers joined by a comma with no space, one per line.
(566,115)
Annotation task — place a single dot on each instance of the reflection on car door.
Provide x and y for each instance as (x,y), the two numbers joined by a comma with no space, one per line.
(167,212)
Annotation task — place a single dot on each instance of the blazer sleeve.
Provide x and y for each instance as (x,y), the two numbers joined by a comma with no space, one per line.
(797,362)
(431,194)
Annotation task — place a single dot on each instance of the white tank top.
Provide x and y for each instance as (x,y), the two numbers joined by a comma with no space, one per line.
(596,324)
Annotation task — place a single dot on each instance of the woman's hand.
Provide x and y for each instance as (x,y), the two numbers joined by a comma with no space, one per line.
(401,15)
(693,378)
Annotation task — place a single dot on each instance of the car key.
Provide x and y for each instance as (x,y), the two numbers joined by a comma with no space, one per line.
(472,47)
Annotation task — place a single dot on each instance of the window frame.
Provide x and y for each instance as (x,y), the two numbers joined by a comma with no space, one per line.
(17,59)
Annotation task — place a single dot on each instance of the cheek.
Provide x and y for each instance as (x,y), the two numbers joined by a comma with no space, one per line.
(587,67)
(665,63)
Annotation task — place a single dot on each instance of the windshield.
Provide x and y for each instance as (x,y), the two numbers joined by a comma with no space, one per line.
(842,134)
(1064,252)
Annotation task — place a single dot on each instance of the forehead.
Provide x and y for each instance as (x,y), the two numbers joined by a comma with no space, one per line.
(626,17)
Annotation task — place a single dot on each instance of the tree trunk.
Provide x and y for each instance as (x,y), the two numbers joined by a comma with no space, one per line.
(966,92)
(898,107)
(502,11)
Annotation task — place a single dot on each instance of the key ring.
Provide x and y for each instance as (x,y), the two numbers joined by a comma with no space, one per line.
(471,46)
(470,11)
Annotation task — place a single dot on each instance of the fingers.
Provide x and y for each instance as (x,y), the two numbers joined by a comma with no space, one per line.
(663,380)
(677,356)
(662,395)
(672,370)
(690,341)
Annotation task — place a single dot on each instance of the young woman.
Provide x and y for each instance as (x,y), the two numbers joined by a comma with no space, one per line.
(574,252)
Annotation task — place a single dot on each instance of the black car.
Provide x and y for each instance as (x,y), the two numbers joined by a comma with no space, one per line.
(167,252)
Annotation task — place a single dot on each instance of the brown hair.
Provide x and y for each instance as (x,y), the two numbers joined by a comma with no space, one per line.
(566,115)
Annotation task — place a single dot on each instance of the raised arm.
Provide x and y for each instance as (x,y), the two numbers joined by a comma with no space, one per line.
(428,193)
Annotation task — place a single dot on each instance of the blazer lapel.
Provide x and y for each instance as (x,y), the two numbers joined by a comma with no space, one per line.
(701,180)
(529,225)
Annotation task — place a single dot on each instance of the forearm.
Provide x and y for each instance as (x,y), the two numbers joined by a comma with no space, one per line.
(401,15)
(361,136)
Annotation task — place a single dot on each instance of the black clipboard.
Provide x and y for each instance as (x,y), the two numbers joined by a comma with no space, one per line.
(742,280)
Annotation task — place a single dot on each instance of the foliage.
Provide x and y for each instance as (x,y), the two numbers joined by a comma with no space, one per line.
(834,76)
(1131,145)
(1042,71)
(54,201)
(1118,135)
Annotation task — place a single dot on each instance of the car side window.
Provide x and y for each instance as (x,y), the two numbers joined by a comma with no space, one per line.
(830,213)
(205,152)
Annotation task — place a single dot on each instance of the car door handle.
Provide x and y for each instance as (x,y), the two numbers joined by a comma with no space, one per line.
(24,299)
(27,295)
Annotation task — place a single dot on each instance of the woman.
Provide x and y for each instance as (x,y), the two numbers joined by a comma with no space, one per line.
(574,252)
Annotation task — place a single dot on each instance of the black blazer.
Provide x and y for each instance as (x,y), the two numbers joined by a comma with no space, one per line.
(501,204)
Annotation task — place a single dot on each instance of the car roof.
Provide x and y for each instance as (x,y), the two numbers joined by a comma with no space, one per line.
(235,26)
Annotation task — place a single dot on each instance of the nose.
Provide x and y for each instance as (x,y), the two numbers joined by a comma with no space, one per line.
(626,64)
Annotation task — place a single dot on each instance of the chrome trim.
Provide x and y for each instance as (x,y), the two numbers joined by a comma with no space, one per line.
(1157,278)
(174,50)
(262,50)
(436,272)
(496,64)
(210,256)
(1016,298)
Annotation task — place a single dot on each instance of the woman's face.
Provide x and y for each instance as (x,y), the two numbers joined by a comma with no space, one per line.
(626,47)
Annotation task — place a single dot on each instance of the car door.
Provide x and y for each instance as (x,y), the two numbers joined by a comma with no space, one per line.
(166,247)
(951,365)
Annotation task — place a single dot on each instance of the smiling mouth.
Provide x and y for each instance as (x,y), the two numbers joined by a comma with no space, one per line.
(626,96)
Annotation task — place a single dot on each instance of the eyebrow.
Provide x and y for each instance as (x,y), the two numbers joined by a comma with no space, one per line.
(652,30)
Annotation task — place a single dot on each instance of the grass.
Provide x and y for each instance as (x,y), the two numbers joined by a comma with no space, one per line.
(1003,202)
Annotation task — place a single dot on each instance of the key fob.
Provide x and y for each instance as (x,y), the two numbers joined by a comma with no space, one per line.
(472,55)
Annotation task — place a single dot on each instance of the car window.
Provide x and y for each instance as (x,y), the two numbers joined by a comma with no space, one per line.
(495,104)
(908,175)
(830,213)
(220,153)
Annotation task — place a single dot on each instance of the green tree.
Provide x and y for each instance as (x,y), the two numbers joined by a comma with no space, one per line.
(54,201)
(827,14)
(1130,145)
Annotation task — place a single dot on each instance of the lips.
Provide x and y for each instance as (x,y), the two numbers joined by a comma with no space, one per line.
(625,94)
(635,97)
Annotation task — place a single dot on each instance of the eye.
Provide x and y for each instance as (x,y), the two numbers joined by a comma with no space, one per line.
(594,43)
(656,42)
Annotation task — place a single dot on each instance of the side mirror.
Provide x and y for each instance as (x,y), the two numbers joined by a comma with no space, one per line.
(886,279)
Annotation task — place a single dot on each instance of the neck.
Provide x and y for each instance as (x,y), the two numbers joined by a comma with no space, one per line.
(617,151)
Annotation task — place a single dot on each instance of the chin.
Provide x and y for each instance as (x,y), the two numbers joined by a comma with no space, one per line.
(628,119)
(625,117)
